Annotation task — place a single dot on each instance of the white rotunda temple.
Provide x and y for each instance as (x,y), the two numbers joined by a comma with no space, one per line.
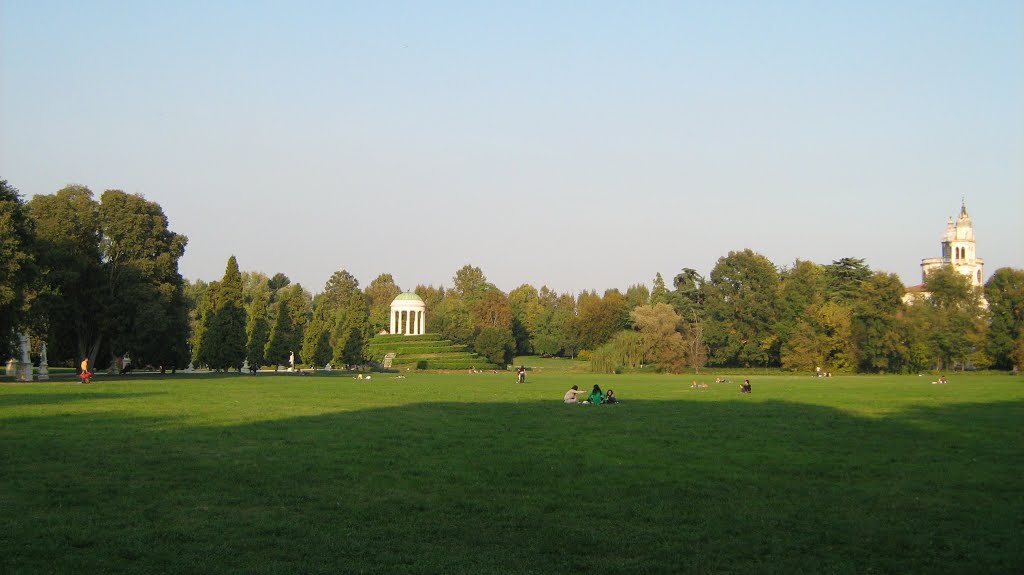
(408,315)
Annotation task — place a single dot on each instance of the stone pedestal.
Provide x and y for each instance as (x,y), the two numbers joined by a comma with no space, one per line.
(23,371)
(23,367)
(44,367)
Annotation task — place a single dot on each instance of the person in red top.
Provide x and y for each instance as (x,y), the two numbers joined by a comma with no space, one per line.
(85,375)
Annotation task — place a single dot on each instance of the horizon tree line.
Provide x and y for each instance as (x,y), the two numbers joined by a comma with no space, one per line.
(98,278)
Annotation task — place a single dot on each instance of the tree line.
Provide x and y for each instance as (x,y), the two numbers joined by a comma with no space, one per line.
(100,277)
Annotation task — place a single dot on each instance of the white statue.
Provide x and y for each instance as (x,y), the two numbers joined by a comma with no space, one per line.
(44,371)
(23,368)
(24,343)
(291,361)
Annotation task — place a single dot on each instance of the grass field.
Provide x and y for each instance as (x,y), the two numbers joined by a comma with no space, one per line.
(472,473)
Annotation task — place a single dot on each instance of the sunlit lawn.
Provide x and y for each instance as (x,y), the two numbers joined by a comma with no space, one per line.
(472,473)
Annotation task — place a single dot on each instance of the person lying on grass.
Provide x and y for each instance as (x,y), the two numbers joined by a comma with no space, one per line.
(570,396)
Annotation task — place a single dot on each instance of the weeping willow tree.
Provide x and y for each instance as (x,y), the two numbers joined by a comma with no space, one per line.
(625,350)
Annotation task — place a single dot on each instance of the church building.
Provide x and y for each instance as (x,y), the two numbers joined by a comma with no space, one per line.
(958,250)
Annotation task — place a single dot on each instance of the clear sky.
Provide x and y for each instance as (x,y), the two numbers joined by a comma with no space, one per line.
(581,145)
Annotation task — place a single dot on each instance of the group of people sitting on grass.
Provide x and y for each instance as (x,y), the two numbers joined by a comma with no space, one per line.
(593,397)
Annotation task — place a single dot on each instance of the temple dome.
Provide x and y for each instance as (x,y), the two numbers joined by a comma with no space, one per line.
(407,296)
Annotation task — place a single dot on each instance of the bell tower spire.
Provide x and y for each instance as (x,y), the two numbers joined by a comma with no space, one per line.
(958,249)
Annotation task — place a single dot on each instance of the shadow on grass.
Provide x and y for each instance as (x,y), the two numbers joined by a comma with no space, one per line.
(15,399)
(529,487)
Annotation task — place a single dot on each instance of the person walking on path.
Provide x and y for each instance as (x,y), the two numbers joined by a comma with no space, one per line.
(85,375)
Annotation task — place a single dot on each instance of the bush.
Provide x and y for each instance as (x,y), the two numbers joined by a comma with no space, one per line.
(496,345)
(421,364)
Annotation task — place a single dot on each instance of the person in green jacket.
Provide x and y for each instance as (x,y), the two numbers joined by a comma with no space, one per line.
(596,396)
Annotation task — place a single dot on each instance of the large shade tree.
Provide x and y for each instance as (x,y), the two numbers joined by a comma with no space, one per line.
(947,325)
(740,303)
(18,272)
(380,293)
(1005,294)
(110,278)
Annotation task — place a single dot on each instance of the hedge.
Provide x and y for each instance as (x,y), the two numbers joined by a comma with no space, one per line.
(460,365)
(416,350)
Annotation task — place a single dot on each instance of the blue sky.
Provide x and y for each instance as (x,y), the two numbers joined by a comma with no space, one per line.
(582,145)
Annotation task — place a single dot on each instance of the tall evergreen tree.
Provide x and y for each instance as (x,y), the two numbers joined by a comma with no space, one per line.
(844,278)
(257,295)
(660,293)
(352,321)
(224,336)
(282,341)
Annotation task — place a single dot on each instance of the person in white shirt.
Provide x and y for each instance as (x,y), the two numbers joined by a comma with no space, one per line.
(570,396)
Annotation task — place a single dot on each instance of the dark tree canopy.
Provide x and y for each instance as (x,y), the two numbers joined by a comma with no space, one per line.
(1005,294)
(741,310)
(18,272)
(110,278)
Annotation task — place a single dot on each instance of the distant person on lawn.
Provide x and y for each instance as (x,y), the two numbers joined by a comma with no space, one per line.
(85,375)
(596,396)
(610,398)
(570,396)
(745,386)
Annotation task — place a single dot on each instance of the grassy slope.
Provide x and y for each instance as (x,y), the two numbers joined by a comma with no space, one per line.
(475,474)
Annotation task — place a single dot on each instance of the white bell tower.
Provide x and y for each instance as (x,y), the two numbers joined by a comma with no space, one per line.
(958,250)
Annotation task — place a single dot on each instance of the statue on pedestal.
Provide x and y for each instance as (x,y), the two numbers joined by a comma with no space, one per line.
(44,367)
(23,368)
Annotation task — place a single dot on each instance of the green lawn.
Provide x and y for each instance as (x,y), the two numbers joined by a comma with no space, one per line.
(472,473)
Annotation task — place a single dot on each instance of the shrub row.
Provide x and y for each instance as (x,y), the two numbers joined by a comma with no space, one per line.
(392,338)
(414,349)
(403,360)
(429,364)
